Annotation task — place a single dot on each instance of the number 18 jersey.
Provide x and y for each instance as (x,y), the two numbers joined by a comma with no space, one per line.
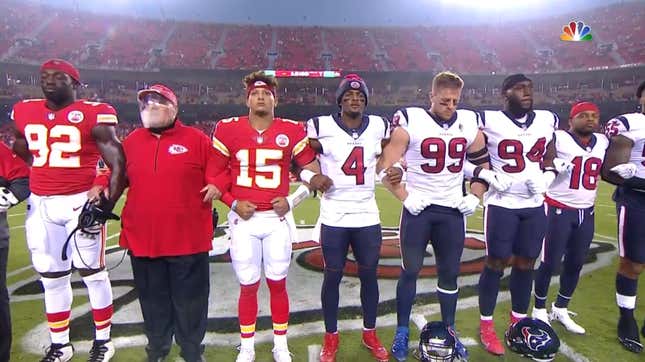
(64,152)
(516,148)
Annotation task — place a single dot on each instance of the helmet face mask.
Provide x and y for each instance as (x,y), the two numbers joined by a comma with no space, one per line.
(534,339)
(436,343)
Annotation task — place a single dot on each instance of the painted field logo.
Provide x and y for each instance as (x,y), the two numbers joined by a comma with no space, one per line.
(304,283)
(576,31)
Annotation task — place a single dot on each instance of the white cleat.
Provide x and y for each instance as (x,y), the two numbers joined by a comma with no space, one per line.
(58,353)
(245,355)
(562,315)
(102,351)
(541,314)
(281,354)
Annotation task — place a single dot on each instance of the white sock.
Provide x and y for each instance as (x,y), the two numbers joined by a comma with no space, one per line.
(280,341)
(248,343)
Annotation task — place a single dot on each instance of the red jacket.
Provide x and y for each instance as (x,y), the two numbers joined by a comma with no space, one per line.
(164,214)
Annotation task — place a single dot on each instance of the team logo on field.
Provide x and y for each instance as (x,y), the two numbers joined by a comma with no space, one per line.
(282,140)
(75,116)
(176,149)
(304,284)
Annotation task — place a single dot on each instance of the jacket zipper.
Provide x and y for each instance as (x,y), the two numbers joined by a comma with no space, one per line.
(157,153)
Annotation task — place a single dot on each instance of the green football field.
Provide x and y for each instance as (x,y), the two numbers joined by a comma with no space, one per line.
(594,301)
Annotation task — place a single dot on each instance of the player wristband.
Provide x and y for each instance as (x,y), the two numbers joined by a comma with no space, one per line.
(294,199)
(307,175)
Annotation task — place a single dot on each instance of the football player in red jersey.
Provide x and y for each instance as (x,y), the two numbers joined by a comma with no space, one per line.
(63,139)
(259,149)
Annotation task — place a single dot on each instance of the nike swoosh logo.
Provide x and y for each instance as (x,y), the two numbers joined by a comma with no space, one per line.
(76,208)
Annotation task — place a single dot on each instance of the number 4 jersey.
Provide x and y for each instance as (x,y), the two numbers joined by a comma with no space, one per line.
(65,155)
(516,148)
(436,151)
(577,189)
(349,158)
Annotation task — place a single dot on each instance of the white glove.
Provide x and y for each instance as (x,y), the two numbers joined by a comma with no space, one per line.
(561,165)
(625,170)
(7,199)
(415,204)
(539,185)
(496,180)
(468,205)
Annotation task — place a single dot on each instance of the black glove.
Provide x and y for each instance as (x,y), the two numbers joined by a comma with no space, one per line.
(96,214)
(215,218)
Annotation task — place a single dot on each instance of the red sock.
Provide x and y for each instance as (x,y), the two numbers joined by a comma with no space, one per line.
(279,305)
(58,322)
(248,309)
(103,321)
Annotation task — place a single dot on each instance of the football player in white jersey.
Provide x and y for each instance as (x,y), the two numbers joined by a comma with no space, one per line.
(514,219)
(435,143)
(349,144)
(624,167)
(576,155)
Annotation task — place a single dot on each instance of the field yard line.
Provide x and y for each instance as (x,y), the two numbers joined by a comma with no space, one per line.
(600,204)
(606,237)
(18,214)
(313,352)
(18,271)
(113,236)
(17,227)
(571,354)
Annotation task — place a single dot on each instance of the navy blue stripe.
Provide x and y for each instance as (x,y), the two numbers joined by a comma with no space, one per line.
(556,121)
(482,116)
(624,120)
(386,124)
(405,114)
(317,126)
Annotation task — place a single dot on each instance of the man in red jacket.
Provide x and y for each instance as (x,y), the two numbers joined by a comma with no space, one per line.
(166,224)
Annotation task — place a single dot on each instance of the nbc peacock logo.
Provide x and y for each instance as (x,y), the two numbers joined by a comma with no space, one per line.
(576,31)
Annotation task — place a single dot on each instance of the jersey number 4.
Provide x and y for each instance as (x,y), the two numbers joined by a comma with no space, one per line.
(513,150)
(355,165)
(56,154)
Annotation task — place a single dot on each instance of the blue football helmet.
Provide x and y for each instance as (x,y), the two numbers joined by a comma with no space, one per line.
(436,343)
(534,339)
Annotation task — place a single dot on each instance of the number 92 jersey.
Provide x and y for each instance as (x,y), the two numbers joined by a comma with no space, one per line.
(349,158)
(436,152)
(65,154)
(516,149)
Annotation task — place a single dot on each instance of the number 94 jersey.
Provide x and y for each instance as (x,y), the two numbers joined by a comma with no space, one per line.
(517,148)
(436,152)
(65,154)
(577,189)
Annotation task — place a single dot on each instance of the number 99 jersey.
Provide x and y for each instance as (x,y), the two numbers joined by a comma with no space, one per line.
(516,149)
(577,189)
(349,158)
(436,152)
(64,152)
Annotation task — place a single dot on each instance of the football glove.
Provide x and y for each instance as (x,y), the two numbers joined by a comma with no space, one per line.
(496,180)
(415,204)
(7,199)
(539,185)
(625,170)
(561,165)
(468,205)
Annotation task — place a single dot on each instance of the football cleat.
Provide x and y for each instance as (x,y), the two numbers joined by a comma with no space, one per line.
(400,344)
(628,334)
(329,348)
(245,355)
(371,341)
(489,338)
(281,354)
(541,314)
(562,315)
(58,353)
(102,351)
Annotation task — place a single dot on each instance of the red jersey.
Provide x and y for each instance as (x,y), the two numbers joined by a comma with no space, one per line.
(65,154)
(260,160)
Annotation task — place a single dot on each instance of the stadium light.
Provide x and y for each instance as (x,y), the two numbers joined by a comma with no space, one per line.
(491,4)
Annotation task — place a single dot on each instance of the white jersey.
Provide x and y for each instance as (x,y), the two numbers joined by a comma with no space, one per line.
(349,158)
(516,148)
(578,188)
(632,126)
(436,152)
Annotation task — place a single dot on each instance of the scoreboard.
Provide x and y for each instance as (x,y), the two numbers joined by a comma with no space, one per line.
(281,73)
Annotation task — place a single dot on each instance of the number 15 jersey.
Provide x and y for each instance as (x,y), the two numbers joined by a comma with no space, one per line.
(516,148)
(65,154)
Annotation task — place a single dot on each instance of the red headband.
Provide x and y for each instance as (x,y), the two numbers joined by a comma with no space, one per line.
(583,107)
(259,84)
(61,66)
